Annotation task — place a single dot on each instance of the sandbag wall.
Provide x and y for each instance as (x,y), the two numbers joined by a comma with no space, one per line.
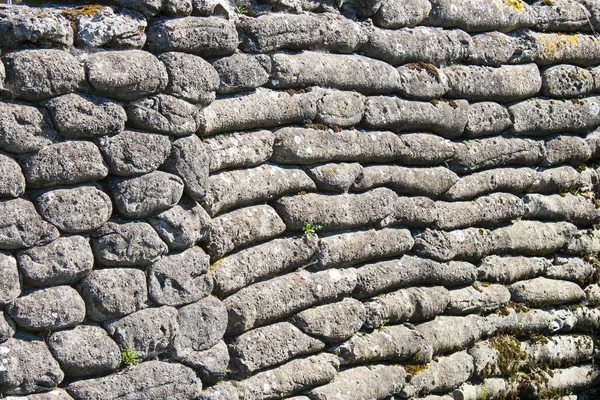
(300,199)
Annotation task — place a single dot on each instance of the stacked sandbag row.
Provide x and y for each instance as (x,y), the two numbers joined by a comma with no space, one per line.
(300,199)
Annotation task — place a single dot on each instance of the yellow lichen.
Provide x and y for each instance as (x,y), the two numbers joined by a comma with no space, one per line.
(516,4)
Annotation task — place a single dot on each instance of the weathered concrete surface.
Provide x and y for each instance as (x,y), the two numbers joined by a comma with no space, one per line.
(239,149)
(19,213)
(24,128)
(334,322)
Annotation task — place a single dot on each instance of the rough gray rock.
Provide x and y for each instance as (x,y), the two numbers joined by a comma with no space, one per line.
(553,180)
(134,153)
(398,14)
(486,118)
(247,266)
(229,189)
(477,298)
(286,295)
(239,149)
(583,242)
(335,177)
(425,149)
(153,380)
(336,212)
(27,366)
(179,279)
(182,226)
(35,75)
(113,292)
(334,322)
(147,7)
(191,78)
(572,269)
(116,30)
(541,292)
(422,81)
(85,351)
(416,212)
(339,108)
(241,72)
(496,48)
(270,345)
(22,226)
(351,248)
(76,209)
(579,210)
(126,75)
(512,180)
(22,26)
(52,308)
(565,80)
(147,332)
(122,243)
(165,114)
(507,269)
(466,330)
(220,391)
(146,195)
(558,48)
(560,16)
(189,161)
(446,118)
(212,365)
(243,227)
(7,327)
(77,116)
(566,149)
(11,280)
(292,377)
(64,163)
(63,261)
(205,37)
(24,128)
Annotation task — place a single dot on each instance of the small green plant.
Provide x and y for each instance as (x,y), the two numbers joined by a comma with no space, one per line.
(310,230)
(384,323)
(129,357)
(241,10)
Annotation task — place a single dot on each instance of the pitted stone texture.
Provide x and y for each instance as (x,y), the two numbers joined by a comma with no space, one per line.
(271,345)
(146,195)
(147,7)
(28,367)
(259,109)
(165,114)
(339,108)
(287,294)
(558,48)
(122,243)
(572,269)
(191,78)
(189,161)
(477,298)
(502,84)
(562,81)
(445,118)
(351,248)
(212,365)
(425,149)
(487,118)
(496,48)
(10,279)
(205,37)
(85,351)
(35,75)
(23,25)
(397,14)
(235,150)
(509,269)
(134,153)
(126,75)
(13,182)
(7,327)
(229,189)
(333,322)
(307,146)
(182,226)
(553,180)
(115,30)
(415,212)
(561,16)
(336,212)
(259,262)
(53,308)
(223,390)
(566,149)
(466,331)
(344,72)
(335,177)
(79,116)
(179,279)
(241,72)
(22,226)
(64,164)
(512,180)
(23,128)
(421,81)
(113,292)
(153,380)
(76,209)
(541,292)
(566,207)
(243,227)
(63,261)
(584,242)
(147,332)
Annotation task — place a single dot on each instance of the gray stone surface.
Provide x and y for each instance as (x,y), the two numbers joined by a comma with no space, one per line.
(239,149)
(126,75)
(243,227)
(35,75)
(52,308)
(566,149)
(425,149)
(77,116)
(189,161)
(572,269)
(270,345)
(565,80)
(241,72)
(513,180)
(182,226)
(334,322)
(561,16)
(229,189)
(340,108)
(64,163)
(7,327)
(116,30)
(335,177)
(147,7)
(201,326)
(212,364)
(446,118)
(421,81)
(205,37)
(153,380)
(541,292)
(85,351)
(191,78)
(63,261)
(13,182)
(28,367)
(11,280)
(553,180)
(165,114)
(21,26)
(24,128)
(146,195)
(220,391)
(477,298)
(487,118)
(415,212)
(123,243)
(558,48)
(466,331)
(287,294)
(147,332)
(509,269)
(398,14)
(180,278)
(259,262)
(76,209)
(579,210)
(22,226)
(113,292)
